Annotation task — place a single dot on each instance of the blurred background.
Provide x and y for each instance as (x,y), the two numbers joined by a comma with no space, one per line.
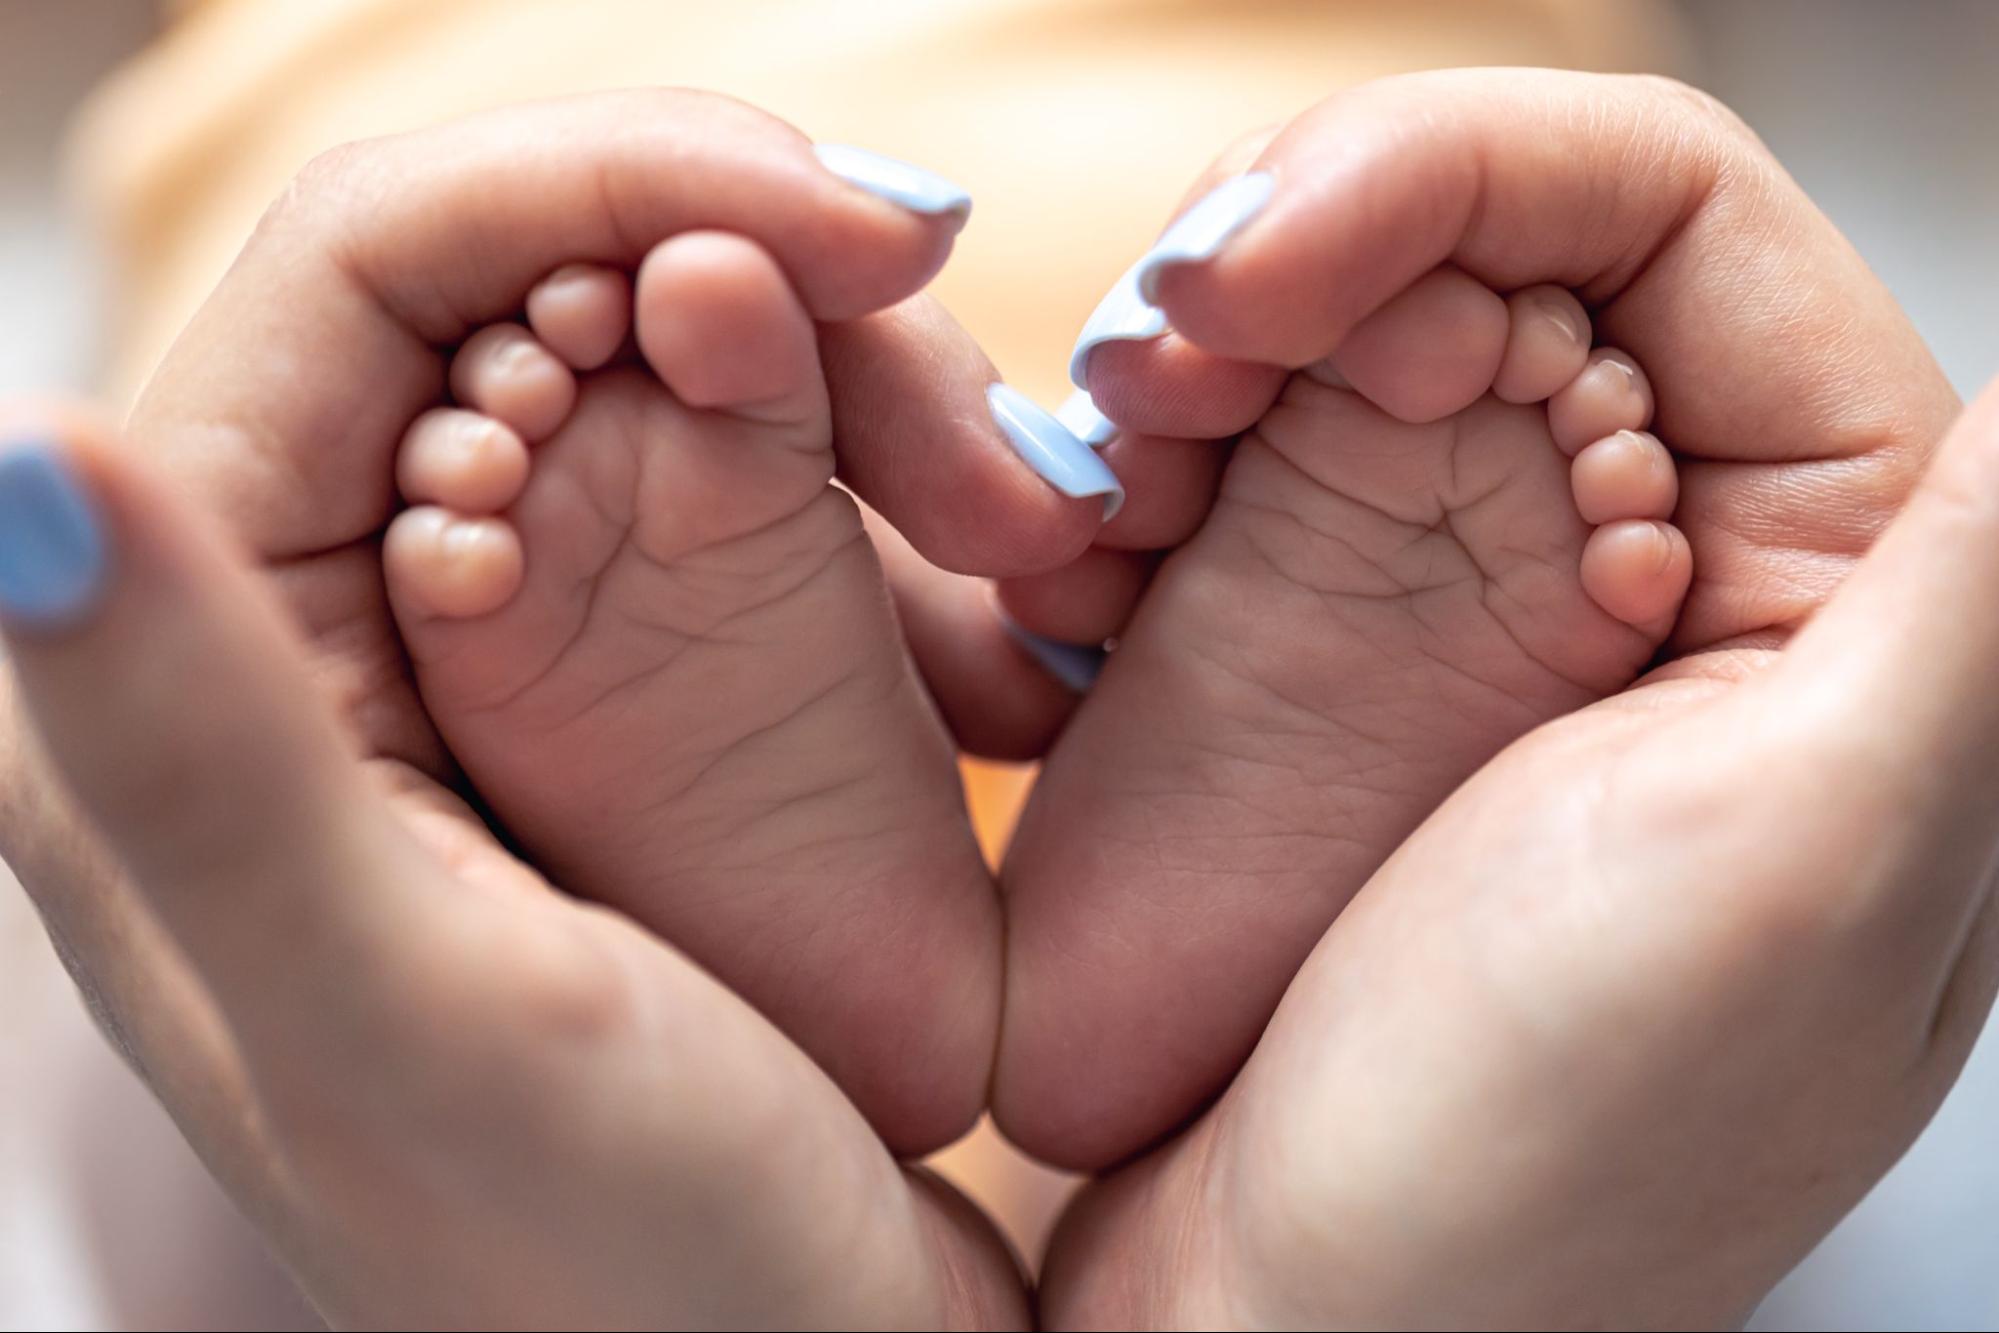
(138,141)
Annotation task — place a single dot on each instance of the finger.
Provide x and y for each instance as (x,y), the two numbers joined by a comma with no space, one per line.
(1085,602)
(1652,202)
(997,699)
(1169,387)
(977,485)
(1149,379)
(175,705)
(400,245)
(1170,484)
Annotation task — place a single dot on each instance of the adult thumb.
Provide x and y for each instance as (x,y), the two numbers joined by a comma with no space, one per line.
(174,701)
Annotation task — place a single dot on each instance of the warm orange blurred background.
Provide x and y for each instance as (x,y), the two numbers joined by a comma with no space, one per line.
(1076,124)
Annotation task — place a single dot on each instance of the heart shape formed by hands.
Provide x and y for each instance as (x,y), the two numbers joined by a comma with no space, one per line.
(1540,1047)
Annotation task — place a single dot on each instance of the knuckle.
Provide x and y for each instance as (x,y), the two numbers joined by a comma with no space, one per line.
(330,188)
(1698,106)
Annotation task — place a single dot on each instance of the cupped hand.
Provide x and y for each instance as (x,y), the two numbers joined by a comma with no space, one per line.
(446,1091)
(1631,1021)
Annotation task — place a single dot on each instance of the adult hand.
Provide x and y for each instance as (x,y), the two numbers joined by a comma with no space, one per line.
(1649,1003)
(445,1091)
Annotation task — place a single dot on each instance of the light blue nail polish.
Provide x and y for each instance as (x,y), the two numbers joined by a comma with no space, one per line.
(52,553)
(898,182)
(1076,665)
(1051,449)
(1079,413)
(1205,228)
(1122,315)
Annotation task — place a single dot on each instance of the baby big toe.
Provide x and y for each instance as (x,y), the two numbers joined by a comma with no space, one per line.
(718,321)
(1429,352)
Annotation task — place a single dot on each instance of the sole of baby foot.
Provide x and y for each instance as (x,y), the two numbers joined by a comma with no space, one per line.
(660,645)
(1373,608)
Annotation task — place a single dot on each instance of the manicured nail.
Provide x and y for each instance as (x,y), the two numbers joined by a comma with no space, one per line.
(52,554)
(1052,449)
(1076,665)
(1205,228)
(1079,413)
(1123,315)
(901,184)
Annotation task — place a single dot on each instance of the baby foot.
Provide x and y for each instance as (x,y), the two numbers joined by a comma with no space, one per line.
(1376,604)
(659,643)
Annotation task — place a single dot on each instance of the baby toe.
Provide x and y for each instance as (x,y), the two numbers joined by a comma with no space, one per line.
(438,563)
(582,313)
(1547,344)
(1609,395)
(1638,571)
(1626,475)
(718,321)
(468,463)
(505,372)
(1429,352)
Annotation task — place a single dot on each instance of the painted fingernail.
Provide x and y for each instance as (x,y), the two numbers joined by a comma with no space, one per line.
(1205,228)
(52,551)
(1123,315)
(1079,413)
(1076,665)
(906,186)
(1052,449)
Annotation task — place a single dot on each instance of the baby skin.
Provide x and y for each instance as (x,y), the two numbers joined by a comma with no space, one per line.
(659,643)
(1452,532)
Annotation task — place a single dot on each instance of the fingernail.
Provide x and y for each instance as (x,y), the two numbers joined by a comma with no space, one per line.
(1079,413)
(52,555)
(906,186)
(1052,449)
(1076,665)
(1205,228)
(1123,315)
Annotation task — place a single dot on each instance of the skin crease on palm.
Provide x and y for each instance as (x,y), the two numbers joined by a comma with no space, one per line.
(1508,1045)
